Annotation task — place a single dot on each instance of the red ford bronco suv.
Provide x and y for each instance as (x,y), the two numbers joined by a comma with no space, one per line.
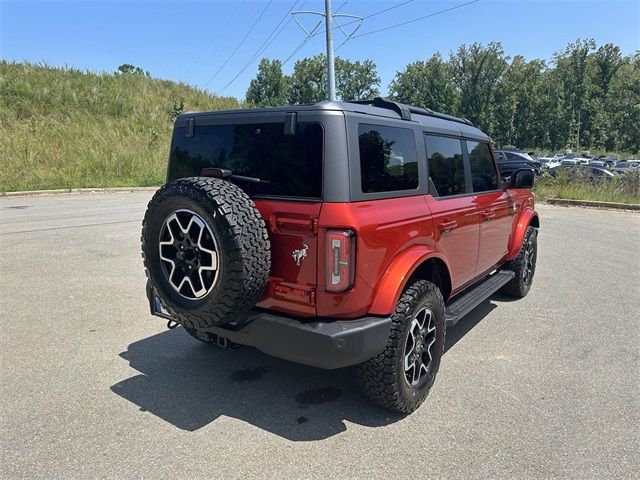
(336,234)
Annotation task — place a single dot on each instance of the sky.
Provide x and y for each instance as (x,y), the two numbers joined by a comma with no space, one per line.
(207,43)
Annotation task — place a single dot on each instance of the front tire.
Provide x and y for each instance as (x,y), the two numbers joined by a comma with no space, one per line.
(400,377)
(524,266)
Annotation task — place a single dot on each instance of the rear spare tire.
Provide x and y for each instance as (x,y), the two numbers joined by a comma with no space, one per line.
(206,251)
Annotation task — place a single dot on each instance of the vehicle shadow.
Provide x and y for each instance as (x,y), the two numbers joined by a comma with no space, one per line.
(190,384)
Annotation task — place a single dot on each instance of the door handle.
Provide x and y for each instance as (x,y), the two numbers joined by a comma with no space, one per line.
(488,214)
(447,225)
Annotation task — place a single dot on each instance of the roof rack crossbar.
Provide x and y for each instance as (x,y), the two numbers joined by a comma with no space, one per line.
(405,111)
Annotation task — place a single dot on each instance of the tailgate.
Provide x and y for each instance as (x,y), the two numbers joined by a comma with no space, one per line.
(294,247)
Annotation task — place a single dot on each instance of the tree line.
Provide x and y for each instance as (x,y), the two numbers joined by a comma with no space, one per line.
(585,97)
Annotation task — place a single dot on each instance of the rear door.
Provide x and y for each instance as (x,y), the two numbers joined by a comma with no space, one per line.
(493,203)
(454,210)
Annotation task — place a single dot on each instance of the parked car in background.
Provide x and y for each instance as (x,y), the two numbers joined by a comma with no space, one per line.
(573,159)
(551,157)
(597,162)
(609,160)
(511,160)
(589,172)
(547,163)
(626,166)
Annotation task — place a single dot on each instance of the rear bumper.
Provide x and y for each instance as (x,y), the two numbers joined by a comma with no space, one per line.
(323,342)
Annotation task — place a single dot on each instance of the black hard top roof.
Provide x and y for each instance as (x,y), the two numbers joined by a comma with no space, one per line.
(378,106)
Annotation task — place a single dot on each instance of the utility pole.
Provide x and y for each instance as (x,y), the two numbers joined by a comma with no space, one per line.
(329,17)
(331,72)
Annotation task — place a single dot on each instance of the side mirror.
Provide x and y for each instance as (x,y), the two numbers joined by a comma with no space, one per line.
(522,178)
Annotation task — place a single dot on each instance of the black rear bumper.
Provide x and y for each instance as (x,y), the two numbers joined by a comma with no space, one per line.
(321,342)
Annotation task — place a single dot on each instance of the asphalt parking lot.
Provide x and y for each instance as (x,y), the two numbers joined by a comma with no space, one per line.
(92,386)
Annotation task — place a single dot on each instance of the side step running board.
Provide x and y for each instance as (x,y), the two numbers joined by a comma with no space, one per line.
(474,297)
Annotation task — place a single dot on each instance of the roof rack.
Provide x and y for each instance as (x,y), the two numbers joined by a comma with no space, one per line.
(405,111)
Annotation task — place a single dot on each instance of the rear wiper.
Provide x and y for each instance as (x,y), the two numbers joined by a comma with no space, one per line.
(228,174)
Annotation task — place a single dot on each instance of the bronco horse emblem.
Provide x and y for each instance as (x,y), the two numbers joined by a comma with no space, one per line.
(299,255)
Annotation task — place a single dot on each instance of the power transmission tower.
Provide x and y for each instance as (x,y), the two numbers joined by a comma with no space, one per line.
(329,19)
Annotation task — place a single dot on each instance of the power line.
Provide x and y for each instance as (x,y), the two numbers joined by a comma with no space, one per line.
(268,41)
(401,4)
(342,6)
(387,9)
(239,44)
(415,19)
(304,42)
(298,48)
(205,54)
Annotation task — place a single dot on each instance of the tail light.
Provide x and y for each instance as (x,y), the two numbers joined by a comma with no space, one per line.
(341,260)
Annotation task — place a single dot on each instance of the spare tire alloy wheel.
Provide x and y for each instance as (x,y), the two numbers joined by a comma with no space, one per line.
(206,251)
(189,254)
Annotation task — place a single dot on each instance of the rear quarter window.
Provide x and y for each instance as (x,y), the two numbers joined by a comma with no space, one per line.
(291,165)
(446,166)
(484,177)
(388,158)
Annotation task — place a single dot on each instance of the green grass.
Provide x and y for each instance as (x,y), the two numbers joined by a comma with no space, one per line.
(622,189)
(66,128)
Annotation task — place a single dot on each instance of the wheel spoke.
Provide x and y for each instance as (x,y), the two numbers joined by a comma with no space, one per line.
(188,254)
(419,345)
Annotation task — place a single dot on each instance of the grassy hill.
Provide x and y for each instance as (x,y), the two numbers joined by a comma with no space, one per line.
(66,128)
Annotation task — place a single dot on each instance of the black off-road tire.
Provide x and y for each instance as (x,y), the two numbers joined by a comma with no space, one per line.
(383,377)
(243,248)
(524,266)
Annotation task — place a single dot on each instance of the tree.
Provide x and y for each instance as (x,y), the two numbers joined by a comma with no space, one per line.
(356,80)
(606,61)
(308,82)
(624,105)
(520,101)
(572,66)
(269,88)
(128,69)
(426,84)
(476,71)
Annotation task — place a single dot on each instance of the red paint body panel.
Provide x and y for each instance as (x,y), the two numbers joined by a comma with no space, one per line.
(471,234)
(495,213)
(457,232)
(291,226)
(384,230)
(523,216)
(396,277)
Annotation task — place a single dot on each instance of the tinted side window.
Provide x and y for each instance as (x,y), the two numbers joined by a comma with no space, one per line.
(446,166)
(483,171)
(388,158)
(291,165)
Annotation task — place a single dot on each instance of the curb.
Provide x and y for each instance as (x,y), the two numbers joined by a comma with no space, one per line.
(591,203)
(26,193)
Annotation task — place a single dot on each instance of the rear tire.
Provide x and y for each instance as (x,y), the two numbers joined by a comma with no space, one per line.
(524,266)
(393,378)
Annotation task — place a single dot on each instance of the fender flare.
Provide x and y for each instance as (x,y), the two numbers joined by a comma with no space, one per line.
(527,216)
(397,275)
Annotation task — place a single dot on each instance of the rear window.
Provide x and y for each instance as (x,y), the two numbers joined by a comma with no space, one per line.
(291,164)
(388,158)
